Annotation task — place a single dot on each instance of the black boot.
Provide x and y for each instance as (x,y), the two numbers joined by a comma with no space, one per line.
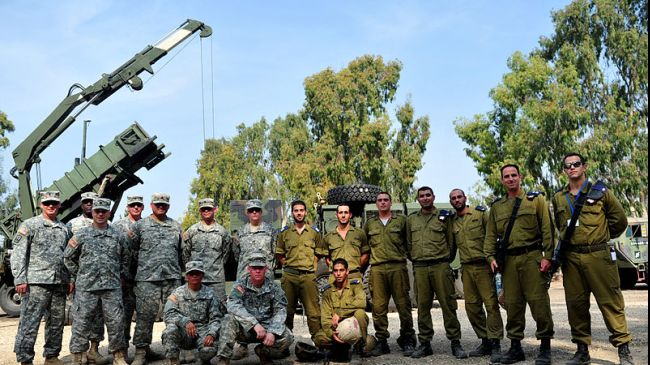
(482,350)
(581,357)
(423,350)
(457,350)
(495,352)
(624,356)
(514,354)
(544,356)
(381,348)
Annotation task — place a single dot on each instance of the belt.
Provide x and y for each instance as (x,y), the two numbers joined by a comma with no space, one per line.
(518,251)
(389,263)
(291,270)
(587,248)
(475,262)
(424,263)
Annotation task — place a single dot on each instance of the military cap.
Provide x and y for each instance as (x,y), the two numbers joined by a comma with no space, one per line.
(194,266)
(257,260)
(89,195)
(50,196)
(160,198)
(206,203)
(253,203)
(134,199)
(101,203)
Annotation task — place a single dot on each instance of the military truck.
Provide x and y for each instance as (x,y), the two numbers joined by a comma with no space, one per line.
(109,172)
(632,253)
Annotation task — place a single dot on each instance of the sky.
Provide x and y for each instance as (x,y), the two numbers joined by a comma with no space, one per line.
(453,53)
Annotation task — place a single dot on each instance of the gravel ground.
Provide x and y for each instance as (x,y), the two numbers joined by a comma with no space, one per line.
(601,351)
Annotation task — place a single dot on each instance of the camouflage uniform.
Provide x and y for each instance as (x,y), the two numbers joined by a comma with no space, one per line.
(210,245)
(128,295)
(249,306)
(37,260)
(248,242)
(156,245)
(97,260)
(203,309)
(351,248)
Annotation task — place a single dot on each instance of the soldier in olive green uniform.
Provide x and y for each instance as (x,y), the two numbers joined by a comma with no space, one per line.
(468,225)
(347,242)
(528,253)
(298,248)
(430,241)
(588,267)
(389,276)
(345,298)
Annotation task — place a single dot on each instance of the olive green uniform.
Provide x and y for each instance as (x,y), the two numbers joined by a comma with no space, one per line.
(300,250)
(389,275)
(351,248)
(349,302)
(430,243)
(478,279)
(531,240)
(588,267)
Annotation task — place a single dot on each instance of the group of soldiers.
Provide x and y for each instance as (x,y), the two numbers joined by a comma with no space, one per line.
(136,264)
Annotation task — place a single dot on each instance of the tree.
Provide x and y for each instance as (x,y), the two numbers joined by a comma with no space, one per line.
(584,89)
(8,198)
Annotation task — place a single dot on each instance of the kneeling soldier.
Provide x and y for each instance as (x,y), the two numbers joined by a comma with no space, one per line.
(192,317)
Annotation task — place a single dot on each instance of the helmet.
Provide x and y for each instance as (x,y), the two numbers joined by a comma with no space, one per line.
(349,330)
(307,353)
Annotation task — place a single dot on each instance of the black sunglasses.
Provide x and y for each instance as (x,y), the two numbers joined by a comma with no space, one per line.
(256,210)
(135,205)
(50,203)
(570,165)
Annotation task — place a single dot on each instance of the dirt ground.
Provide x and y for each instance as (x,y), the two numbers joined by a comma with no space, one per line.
(601,351)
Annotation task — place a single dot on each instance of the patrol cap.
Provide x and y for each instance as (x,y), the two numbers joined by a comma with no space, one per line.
(257,260)
(160,198)
(206,203)
(101,204)
(89,195)
(194,266)
(50,196)
(253,203)
(134,199)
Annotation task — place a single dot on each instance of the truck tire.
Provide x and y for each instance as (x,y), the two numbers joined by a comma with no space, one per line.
(628,278)
(355,193)
(9,301)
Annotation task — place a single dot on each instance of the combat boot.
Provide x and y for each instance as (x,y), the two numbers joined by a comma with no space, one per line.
(624,356)
(94,357)
(140,354)
(457,350)
(408,349)
(495,351)
(223,361)
(263,354)
(26,363)
(381,348)
(54,360)
(118,358)
(423,350)
(76,358)
(514,354)
(544,356)
(174,361)
(482,350)
(581,357)
(239,351)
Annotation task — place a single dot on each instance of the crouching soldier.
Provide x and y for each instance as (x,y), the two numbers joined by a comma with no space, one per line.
(342,300)
(193,317)
(257,310)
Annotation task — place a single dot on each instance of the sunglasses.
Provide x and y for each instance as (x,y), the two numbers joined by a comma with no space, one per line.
(205,209)
(255,210)
(136,205)
(161,205)
(570,165)
(50,203)
(194,273)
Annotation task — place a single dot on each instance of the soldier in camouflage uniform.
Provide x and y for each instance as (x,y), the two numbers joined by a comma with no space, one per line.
(134,207)
(431,246)
(97,259)
(257,310)
(588,267)
(156,243)
(347,242)
(86,217)
(193,315)
(468,226)
(209,242)
(528,253)
(42,280)
(253,237)
(389,276)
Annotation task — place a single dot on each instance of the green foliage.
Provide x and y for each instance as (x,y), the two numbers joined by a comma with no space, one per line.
(8,199)
(584,89)
(6,126)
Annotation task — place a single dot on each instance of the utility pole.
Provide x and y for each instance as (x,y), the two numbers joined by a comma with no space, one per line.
(83,145)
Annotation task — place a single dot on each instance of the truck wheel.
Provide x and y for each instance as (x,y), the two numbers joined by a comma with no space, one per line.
(355,193)
(9,301)
(628,278)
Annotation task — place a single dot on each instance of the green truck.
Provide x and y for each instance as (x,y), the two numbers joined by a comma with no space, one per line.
(632,253)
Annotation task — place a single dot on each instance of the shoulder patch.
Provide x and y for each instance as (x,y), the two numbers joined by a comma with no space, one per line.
(534,194)
(596,192)
(480,208)
(284,229)
(327,287)
(172,298)
(72,243)
(315,228)
(495,200)
(240,288)
(355,281)
(23,231)
(445,214)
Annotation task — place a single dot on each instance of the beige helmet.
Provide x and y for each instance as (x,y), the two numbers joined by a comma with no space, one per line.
(349,331)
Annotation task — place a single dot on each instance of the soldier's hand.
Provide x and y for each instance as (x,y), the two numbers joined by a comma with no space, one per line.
(71,288)
(209,340)
(336,337)
(494,266)
(269,339)
(190,328)
(545,265)
(335,320)
(22,288)
(260,331)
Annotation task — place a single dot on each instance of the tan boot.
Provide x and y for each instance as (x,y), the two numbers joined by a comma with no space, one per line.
(84,358)
(76,358)
(118,358)
(53,360)
(94,357)
(174,361)
(223,361)
(140,354)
